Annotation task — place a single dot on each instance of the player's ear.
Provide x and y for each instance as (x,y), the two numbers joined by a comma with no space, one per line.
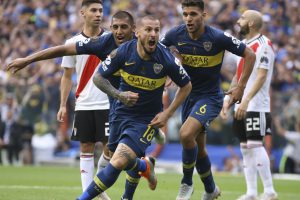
(204,14)
(133,28)
(82,12)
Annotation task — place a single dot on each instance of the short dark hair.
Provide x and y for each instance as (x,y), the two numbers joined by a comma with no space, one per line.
(151,17)
(197,3)
(122,14)
(88,2)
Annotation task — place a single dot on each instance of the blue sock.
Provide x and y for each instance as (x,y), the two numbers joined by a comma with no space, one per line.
(189,157)
(132,181)
(203,167)
(102,181)
(137,165)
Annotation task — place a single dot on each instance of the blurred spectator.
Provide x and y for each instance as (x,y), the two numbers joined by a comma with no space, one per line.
(290,161)
(31,25)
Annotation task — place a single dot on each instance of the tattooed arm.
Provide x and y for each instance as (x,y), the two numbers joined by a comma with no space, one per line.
(128,98)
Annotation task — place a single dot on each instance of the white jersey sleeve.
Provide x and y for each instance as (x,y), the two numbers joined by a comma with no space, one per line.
(69,61)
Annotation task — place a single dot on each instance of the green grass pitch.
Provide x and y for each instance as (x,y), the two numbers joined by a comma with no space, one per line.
(63,183)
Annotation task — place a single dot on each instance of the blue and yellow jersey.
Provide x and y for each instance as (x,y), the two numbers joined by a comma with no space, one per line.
(202,58)
(147,78)
(100,47)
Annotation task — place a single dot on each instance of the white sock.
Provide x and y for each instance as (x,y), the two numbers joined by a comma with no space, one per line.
(263,167)
(86,169)
(250,171)
(102,162)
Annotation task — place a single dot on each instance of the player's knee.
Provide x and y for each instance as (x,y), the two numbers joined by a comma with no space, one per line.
(87,147)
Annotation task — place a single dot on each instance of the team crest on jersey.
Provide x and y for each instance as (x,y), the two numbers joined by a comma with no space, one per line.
(157,68)
(207,46)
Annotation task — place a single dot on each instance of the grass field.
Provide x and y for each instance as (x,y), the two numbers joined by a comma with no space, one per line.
(63,183)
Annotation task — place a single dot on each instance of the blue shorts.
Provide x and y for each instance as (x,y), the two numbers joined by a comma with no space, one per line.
(205,109)
(135,133)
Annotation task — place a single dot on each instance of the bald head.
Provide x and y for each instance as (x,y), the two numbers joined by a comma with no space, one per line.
(255,19)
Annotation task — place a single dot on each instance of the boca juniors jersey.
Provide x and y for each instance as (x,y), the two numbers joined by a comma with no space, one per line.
(202,58)
(147,78)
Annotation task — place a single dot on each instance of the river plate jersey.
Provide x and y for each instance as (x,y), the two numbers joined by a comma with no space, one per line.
(202,58)
(101,47)
(147,78)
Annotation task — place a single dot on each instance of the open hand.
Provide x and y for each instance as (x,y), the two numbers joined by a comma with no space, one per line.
(17,64)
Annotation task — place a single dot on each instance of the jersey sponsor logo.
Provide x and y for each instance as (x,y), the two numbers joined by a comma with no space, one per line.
(202,61)
(207,46)
(264,59)
(142,82)
(157,68)
(129,63)
(181,43)
(202,110)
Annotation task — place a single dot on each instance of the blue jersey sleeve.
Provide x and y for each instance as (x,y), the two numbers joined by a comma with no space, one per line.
(91,46)
(176,72)
(231,43)
(167,39)
(112,63)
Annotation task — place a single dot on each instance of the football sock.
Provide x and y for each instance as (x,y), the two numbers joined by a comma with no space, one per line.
(189,157)
(86,169)
(137,165)
(102,162)
(263,167)
(132,181)
(102,181)
(250,171)
(203,167)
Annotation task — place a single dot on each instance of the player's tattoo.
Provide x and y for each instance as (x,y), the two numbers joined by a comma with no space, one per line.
(124,153)
(105,86)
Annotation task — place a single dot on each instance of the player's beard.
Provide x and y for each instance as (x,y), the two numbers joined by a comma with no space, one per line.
(244,30)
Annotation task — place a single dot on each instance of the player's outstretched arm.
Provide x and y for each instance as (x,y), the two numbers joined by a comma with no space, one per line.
(128,98)
(161,119)
(53,52)
(238,91)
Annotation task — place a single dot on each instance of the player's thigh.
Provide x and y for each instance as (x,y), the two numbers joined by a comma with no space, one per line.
(239,130)
(257,124)
(102,125)
(84,128)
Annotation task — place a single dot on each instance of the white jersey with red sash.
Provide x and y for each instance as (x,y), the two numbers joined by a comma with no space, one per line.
(88,96)
(265,57)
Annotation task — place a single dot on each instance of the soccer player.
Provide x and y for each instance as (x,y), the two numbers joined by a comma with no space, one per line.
(252,119)
(202,49)
(122,27)
(144,65)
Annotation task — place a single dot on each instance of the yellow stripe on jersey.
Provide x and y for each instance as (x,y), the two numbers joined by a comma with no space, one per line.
(117,73)
(202,61)
(142,82)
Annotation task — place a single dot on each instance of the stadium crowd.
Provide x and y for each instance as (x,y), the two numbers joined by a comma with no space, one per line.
(32,96)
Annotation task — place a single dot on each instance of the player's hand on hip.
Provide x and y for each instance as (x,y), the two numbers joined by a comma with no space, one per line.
(61,114)
(236,95)
(160,120)
(17,64)
(128,98)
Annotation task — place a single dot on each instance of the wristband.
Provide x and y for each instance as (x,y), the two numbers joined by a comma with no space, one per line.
(226,98)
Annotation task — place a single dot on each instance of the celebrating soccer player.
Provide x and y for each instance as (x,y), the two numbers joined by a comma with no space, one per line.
(202,49)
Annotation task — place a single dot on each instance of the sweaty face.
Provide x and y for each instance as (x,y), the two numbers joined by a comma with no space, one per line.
(93,14)
(193,18)
(148,34)
(122,30)
(243,23)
